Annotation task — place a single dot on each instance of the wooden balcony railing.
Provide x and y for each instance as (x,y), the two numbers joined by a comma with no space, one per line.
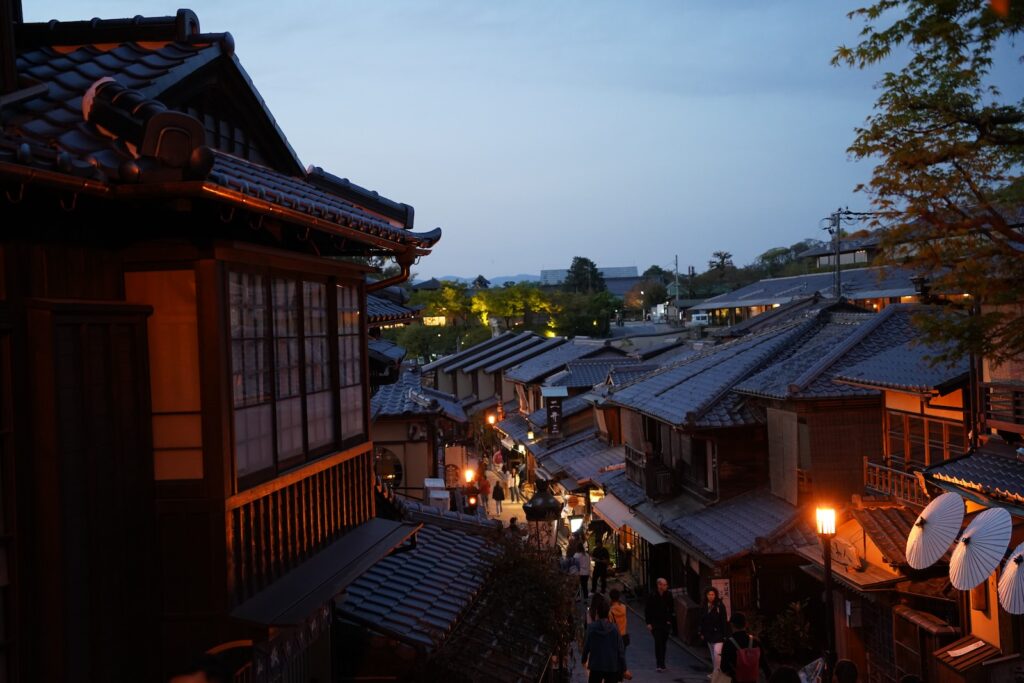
(1004,405)
(274,527)
(903,486)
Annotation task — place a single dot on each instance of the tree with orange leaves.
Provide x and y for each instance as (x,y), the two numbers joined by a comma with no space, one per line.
(948,145)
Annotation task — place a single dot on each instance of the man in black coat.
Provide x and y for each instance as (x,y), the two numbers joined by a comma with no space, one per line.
(660,613)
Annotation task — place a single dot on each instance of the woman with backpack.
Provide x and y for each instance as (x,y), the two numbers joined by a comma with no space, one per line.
(714,626)
(741,653)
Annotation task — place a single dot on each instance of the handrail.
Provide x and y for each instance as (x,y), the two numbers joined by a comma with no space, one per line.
(904,486)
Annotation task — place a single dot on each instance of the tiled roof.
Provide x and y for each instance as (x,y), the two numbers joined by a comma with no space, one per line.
(380,310)
(481,353)
(991,474)
(407,397)
(828,334)
(514,427)
(588,467)
(804,307)
(525,342)
(546,363)
(727,530)
(556,459)
(444,362)
(618,485)
(415,511)
(907,368)
(857,283)
(684,392)
(385,351)
(624,374)
(570,406)
(542,447)
(114,145)
(839,342)
(588,372)
(419,594)
(524,354)
(888,528)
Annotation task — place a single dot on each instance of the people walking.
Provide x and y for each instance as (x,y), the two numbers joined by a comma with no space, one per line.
(583,562)
(513,486)
(484,491)
(741,653)
(714,626)
(601,561)
(659,612)
(603,652)
(617,615)
(498,495)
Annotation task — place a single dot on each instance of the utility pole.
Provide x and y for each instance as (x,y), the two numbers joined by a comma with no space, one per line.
(834,228)
(677,284)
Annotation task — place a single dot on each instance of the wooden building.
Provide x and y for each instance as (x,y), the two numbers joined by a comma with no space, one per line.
(186,461)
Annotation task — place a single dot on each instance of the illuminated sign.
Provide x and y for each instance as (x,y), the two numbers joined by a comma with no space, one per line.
(434,320)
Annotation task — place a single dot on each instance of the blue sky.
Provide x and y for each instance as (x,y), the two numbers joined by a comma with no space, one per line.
(532,132)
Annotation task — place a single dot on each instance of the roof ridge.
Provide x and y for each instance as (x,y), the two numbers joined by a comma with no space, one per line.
(782,338)
(812,373)
(182,27)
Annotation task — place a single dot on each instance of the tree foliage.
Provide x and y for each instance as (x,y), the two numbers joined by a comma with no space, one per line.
(583,276)
(948,146)
(587,315)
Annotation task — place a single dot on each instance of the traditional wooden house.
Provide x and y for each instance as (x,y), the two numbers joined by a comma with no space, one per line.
(418,433)
(188,464)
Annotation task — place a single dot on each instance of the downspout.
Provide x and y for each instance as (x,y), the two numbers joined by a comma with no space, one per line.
(405,260)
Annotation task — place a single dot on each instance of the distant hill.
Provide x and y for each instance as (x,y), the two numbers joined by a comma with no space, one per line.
(496,281)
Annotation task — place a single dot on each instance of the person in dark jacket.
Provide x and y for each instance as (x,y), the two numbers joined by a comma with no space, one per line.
(603,652)
(714,625)
(602,559)
(740,639)
(498,495)
(659,612)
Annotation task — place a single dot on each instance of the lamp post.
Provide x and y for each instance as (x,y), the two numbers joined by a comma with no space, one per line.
(541,511)
(826,518)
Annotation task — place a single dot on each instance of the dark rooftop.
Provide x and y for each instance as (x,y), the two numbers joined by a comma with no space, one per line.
(546,363)
(857,283)
(730,529)
(445,361)
(907,368)
(408,398)
(990,475)
(417,595)
(686,392)
(888,527)
(381,311)
(588,372)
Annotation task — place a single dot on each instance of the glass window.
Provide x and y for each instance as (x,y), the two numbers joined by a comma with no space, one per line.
(293,399)
(350,360)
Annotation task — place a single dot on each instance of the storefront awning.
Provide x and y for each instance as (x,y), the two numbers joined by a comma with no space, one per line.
(305,589)
(648,532)
(613,511)
(508,443)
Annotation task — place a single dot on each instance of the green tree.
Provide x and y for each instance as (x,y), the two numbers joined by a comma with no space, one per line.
(481,282)
(584,314)
(948,145)
(583,276)
(658,274)
(720,260)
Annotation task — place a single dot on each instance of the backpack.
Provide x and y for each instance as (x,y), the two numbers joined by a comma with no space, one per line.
(748,661)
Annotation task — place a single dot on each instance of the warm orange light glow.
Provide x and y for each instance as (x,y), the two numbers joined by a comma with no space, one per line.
(472,500)
(826,521)
(529,435)
(469,475)
(491,419)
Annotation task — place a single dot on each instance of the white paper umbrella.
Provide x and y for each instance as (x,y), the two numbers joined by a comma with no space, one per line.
(1011,583)
(935,530)
(980,548)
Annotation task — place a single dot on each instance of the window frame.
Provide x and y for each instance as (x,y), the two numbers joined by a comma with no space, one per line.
(339,441)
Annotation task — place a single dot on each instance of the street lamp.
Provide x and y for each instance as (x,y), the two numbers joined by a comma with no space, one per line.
(826,517)
(491,419)
(470,475)
(541,511)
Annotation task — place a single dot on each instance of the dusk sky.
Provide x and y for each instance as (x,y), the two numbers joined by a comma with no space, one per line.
(532,132)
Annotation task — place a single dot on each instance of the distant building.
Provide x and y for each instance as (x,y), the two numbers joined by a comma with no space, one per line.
(551,278)
(851,250)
